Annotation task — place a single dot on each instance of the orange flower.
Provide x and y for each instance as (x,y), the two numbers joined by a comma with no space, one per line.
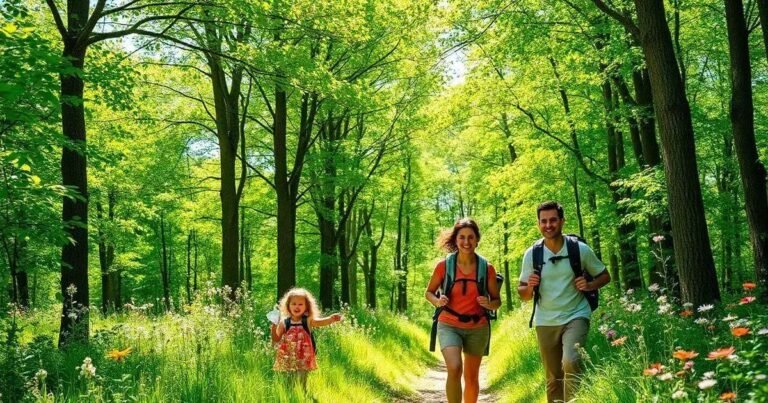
(655,368)
(749,286)
(686,313)
(721,353)
(740,331)
(119,355)
(683,355)
(728,396)
(746,300)
(620,341)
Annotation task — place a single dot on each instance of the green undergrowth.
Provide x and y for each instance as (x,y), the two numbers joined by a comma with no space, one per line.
(212,352)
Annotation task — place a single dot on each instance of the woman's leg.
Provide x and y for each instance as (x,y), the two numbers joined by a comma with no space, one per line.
(452,356)
(471,377)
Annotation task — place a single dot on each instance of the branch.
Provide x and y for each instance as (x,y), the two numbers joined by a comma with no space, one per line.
(57,18)
(624,20)
(134,29)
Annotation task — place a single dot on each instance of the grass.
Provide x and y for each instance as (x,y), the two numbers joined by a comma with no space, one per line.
(212,352)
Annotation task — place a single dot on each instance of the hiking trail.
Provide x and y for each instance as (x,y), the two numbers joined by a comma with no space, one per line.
(430,387)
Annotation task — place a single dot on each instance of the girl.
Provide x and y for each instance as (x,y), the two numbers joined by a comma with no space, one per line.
(295,345)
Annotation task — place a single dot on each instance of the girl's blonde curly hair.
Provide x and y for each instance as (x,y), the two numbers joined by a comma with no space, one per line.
(312,309)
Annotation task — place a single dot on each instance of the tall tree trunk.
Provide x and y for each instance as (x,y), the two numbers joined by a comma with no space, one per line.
(693,253)
(401,245)
(753,173)
(164,265)
(594,232)
(762,8)
(286,205)
(74,254)
(189,267)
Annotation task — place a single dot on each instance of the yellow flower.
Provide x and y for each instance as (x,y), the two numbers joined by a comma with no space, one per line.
(119,355)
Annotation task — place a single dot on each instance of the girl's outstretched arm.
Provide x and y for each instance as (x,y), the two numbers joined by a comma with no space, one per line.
(276,331)
(320,322)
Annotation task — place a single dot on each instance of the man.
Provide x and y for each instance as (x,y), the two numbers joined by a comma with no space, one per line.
(562,313)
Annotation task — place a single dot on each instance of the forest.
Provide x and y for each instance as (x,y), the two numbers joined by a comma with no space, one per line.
(169,169)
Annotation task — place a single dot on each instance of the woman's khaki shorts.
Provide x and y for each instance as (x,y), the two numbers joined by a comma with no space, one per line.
(471,341)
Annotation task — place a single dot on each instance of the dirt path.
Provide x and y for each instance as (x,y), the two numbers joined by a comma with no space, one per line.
(431,386)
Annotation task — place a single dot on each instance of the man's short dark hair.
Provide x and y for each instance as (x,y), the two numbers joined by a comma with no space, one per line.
(550,205)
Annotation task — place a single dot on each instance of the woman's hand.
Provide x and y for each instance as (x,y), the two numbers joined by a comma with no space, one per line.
(442,301)
(484,302)
(337,317)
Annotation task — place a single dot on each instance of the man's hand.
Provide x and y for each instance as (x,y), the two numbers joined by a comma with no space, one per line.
(534,280)
(337,317)
(582,284)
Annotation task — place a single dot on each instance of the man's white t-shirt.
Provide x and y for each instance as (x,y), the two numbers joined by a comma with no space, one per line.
(559,300)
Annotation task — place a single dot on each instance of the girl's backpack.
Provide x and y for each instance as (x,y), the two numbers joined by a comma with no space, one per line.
(304,324)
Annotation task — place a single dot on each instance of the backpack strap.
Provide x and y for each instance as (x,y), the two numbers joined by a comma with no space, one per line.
(538,266)
(482,289)
(305,326)
(445,289)
(574,255)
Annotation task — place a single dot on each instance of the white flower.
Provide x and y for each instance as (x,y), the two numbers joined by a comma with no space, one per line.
(679,395)
(658,238)
(41,374)
(653,287)
(71,290)
(72,315)
(706,307)
(709,374)
(87,370)
(665,377)
(763,331)
(629,291)
(664,309)
(730,317)
(634,307)
(701,321)
(662,299)
(760,377)
(687,305)
(707,383)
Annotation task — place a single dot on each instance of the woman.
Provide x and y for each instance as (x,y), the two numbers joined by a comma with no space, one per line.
(462,324)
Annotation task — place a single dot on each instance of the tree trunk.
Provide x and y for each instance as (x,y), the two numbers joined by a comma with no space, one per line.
(164,265)
(286,206)
(401,246)
(753,173)
(762,7)
(74,254)
(189,267)
(109,277)
(693,253)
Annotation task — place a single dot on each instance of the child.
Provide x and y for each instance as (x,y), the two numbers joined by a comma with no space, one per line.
(293,336)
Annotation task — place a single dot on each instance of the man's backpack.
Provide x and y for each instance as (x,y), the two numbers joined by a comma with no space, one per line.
(305,325)
(448,282)
(574,257)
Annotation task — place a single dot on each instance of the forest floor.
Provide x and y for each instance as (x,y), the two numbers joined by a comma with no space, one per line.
(430,387)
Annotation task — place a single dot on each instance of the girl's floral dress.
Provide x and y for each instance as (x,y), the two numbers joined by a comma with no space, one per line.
(295,351)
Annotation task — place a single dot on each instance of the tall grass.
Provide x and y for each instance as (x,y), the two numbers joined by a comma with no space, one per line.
(213,352)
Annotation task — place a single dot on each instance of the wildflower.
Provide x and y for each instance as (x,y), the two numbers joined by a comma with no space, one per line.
(760,377)
(87,370)
(728,396)
(658,238)
(709,374)
(683,355)
(707,383)
(679,395)
(748,286)
(687,305)
(706,307)
(654,369)
(610,334)
(620,341)
(653,287)
(119,355)
(730,317)
(629,291)
(634,307)
(688,365)
(763,331)
(686,313)
(721,353)
(41,374)
(71,290)
(665,377)
(72,315)
(740,331)
(664,309)
(701,321)
(662,299)
(746,300)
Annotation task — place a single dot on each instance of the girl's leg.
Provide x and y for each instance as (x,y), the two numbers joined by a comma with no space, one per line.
(471,377)
(452,356)
(301,377)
